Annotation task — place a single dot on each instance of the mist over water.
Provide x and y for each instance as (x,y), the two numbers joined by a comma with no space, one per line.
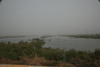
(49,17)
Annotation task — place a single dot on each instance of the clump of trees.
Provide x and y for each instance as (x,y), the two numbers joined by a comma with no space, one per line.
(12,51)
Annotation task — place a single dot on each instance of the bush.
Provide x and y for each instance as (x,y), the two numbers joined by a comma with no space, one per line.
(13,51)
(53,55)
(70,54)
(97,54)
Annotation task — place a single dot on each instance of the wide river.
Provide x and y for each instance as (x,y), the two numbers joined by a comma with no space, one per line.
(62,42)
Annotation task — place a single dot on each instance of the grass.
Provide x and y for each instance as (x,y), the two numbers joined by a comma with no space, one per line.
(12,51)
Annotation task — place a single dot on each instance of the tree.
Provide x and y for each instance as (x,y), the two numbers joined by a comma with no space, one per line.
(0,0)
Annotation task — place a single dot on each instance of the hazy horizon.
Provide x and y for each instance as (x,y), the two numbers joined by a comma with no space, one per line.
(49,17)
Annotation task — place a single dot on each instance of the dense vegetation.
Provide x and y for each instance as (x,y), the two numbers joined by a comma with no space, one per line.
(13,51)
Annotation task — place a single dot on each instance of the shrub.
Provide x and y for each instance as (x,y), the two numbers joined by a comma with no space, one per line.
(97,53)
(53,55)
(70,54)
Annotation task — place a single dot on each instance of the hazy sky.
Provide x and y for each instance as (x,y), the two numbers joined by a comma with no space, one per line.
(49,17)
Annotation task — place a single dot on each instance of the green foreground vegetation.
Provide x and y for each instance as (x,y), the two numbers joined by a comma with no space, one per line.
(12,51)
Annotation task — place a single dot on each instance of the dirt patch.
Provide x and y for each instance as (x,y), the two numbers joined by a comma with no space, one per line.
(41,61)
(37,61)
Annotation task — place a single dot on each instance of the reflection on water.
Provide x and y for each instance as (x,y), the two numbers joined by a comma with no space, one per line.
(76,43)
(62,42)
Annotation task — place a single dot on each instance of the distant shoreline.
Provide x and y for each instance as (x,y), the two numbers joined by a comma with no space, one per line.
(92,36)
(10,36)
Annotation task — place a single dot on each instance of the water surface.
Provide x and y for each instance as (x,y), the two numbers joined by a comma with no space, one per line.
(76,43)
(62,42)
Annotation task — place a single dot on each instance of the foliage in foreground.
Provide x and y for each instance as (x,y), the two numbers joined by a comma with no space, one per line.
(13,51)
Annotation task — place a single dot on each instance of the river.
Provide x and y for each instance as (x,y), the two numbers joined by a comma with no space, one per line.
(62,42)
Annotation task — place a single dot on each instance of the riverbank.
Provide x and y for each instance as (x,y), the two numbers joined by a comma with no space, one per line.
(24,53)
(97,36)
